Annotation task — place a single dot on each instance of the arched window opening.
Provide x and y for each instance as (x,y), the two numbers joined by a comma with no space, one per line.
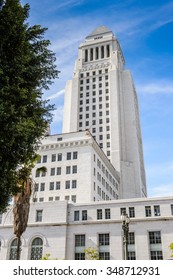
(13,250)
(36,249)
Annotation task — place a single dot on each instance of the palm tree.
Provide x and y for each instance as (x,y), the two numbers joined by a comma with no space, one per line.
(21,205)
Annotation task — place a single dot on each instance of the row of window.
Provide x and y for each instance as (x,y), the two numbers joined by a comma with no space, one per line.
(57,171)
(56,185)
(58,157)
(100,212)
(149,211)
(51,198)
(36,248)
(93,79)
(93,73)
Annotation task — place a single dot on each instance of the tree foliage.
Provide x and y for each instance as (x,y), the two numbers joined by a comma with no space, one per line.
(171,248)
(27,68)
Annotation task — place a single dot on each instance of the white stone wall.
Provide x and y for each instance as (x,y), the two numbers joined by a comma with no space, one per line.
(58,228)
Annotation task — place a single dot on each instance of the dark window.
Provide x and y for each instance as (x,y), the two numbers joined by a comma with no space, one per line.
(107,213)
(44,158)
(68,156)
(76,215)
(39,215)
(53,157)
(99,214)
(84,215)
(103,239)
(131,212)
(80,240)
(51,186)
(58,171)
(155,237)
(58,185)
(148,211)
(67,184)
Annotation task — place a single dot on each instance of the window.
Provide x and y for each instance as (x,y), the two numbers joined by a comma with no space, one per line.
(80,240)
(52,171)
(51,198)
(36,187)
(67,184)
(104,255)
(122,211)
(58,172)
(44,158)
(131,238)
(76,215)
(42,187)
(171,209)
(131,255)
(107,213)
(75,154)
(0,218)
(13,250)
(74,184)
(156,255)
(84,215)
(41,199)
(74,169)
(131,212)
(58,185)
(68,169)
(39,159)
(67,197)
(68,156)
(99,214)
(43,174)
(73,198)
(53,157)
(103,239)
(59,157)
(51,186)
(148,211)
(36,249)
(37,174)
(57,198)
(79,256)
(39,214)
(155,237)
(156,210)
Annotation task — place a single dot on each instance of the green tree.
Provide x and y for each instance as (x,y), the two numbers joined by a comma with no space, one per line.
(27,68)
(171,248)
(91,253)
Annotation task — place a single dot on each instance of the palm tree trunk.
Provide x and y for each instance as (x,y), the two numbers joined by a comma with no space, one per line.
(18,248)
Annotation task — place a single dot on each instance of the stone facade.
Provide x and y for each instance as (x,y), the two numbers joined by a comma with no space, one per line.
(63,225)
(101,97)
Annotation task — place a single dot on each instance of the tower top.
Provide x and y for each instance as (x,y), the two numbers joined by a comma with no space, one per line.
(99,31)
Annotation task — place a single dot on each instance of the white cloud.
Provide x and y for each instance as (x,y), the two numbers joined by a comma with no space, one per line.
(156,87)
(58,114)
(56,95)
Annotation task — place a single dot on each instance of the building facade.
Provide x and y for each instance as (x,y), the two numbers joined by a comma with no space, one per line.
(64,230)
(77,170)
(101,97)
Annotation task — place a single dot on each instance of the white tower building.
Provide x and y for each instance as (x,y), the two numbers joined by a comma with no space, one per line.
(101,97)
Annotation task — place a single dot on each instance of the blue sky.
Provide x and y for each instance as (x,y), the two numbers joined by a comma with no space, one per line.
(145,32)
